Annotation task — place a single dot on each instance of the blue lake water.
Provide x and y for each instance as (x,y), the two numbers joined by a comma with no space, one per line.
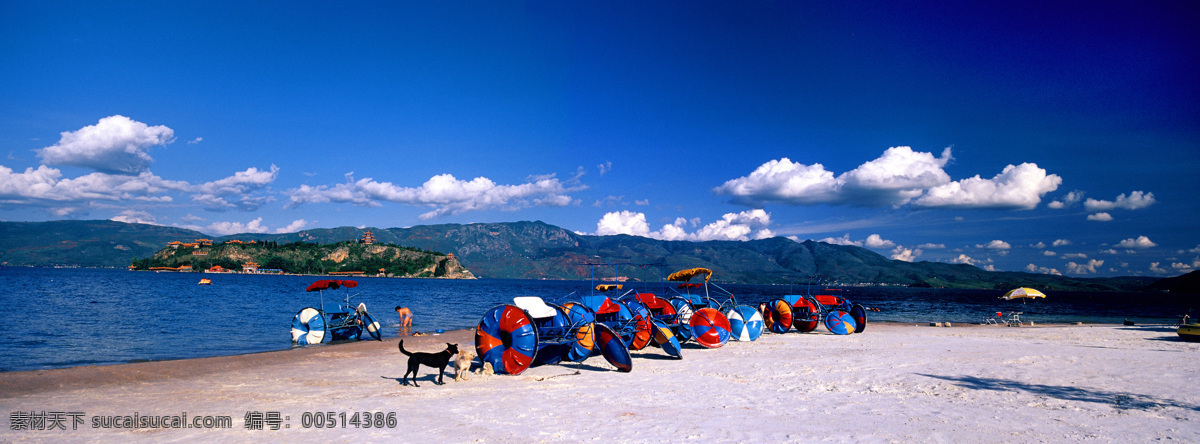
(73,317)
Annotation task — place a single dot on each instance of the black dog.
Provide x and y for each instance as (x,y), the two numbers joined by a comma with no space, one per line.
(438,360)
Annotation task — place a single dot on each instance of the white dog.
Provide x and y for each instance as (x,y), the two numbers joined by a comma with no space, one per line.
(462,364)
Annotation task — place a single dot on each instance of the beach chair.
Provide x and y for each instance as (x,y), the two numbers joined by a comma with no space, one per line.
(994,320)
(1014,318)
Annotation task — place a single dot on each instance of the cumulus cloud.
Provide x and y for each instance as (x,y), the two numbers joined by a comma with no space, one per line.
(1067,201)
(964,259)
(746,225)
(1042,270)
(444,193)
(877,241)
(227,228)
(135,217)
(1140,243)
(1087,268)
(293,227)
(932,246)
(1154,268)
(115,145)
(900,176)
(1134,201)
(1016,187)
(1100,217)
(1061,242)
(1074,256)
(995,245)
(894,178)
(872,241)
(47,184)
(905,254)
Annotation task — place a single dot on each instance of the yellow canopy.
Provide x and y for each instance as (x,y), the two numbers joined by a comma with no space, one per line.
(607,287)
(1023,292)
(687,275)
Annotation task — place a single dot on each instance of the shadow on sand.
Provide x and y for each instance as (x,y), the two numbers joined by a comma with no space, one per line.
(1122,401)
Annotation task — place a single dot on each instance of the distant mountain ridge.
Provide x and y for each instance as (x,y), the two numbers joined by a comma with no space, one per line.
(537,250)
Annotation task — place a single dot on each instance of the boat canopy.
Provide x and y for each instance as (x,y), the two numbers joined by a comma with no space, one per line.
(331,284)
(687,275)
(608,287)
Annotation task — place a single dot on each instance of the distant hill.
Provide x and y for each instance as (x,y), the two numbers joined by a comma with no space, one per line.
(84,243)
(1188,284)
(536,250)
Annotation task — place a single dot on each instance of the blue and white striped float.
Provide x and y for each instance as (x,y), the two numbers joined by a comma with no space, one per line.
(308,327)
(745,323)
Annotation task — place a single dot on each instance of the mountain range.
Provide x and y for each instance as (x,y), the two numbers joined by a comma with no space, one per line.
(537,250)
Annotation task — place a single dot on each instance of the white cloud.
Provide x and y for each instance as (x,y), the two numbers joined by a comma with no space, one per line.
(877,241)
(1088,268)
(1100,217)
(1049,253)
(293,227)
(1061,242)
(623,222)
(116,145)
(1136,200)
(1067,201)
(1141,243)
(786,182)
(604,167)
(1038,245)
(1074,256)
(642,202)
(995,245)
(1195,250)
(1016,187)
(894,178)
(747,225)
(1156,269)
(227,228)
(1186,267)
(844,240)
(135,217)
(963,259)
(931,246)
(872,241)
(1043,270)
(444,193)
(905,254)
(196,141)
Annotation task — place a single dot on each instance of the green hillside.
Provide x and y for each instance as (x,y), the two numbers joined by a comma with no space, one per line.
(308,258)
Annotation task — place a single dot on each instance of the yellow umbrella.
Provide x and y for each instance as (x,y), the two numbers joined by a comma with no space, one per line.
(1023,292)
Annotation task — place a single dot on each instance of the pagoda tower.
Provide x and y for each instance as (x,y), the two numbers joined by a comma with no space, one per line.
(368,237)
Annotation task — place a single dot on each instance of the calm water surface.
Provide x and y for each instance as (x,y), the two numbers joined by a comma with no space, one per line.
(72,317)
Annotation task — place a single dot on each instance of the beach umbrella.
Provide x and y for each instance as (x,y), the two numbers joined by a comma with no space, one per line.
(1022,293)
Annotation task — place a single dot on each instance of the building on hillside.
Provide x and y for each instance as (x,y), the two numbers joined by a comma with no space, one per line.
(204,242)
(250,267)
(368,237)
(175,244)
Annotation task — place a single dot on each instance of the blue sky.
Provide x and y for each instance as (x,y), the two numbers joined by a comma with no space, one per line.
(1058,138)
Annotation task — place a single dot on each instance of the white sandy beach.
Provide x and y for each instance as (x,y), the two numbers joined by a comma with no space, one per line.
(892,383)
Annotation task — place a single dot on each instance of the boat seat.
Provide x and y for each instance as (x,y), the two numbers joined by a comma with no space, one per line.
(535,306)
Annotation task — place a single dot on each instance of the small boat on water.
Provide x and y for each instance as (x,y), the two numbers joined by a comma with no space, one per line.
(205,282)
(1189,332)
